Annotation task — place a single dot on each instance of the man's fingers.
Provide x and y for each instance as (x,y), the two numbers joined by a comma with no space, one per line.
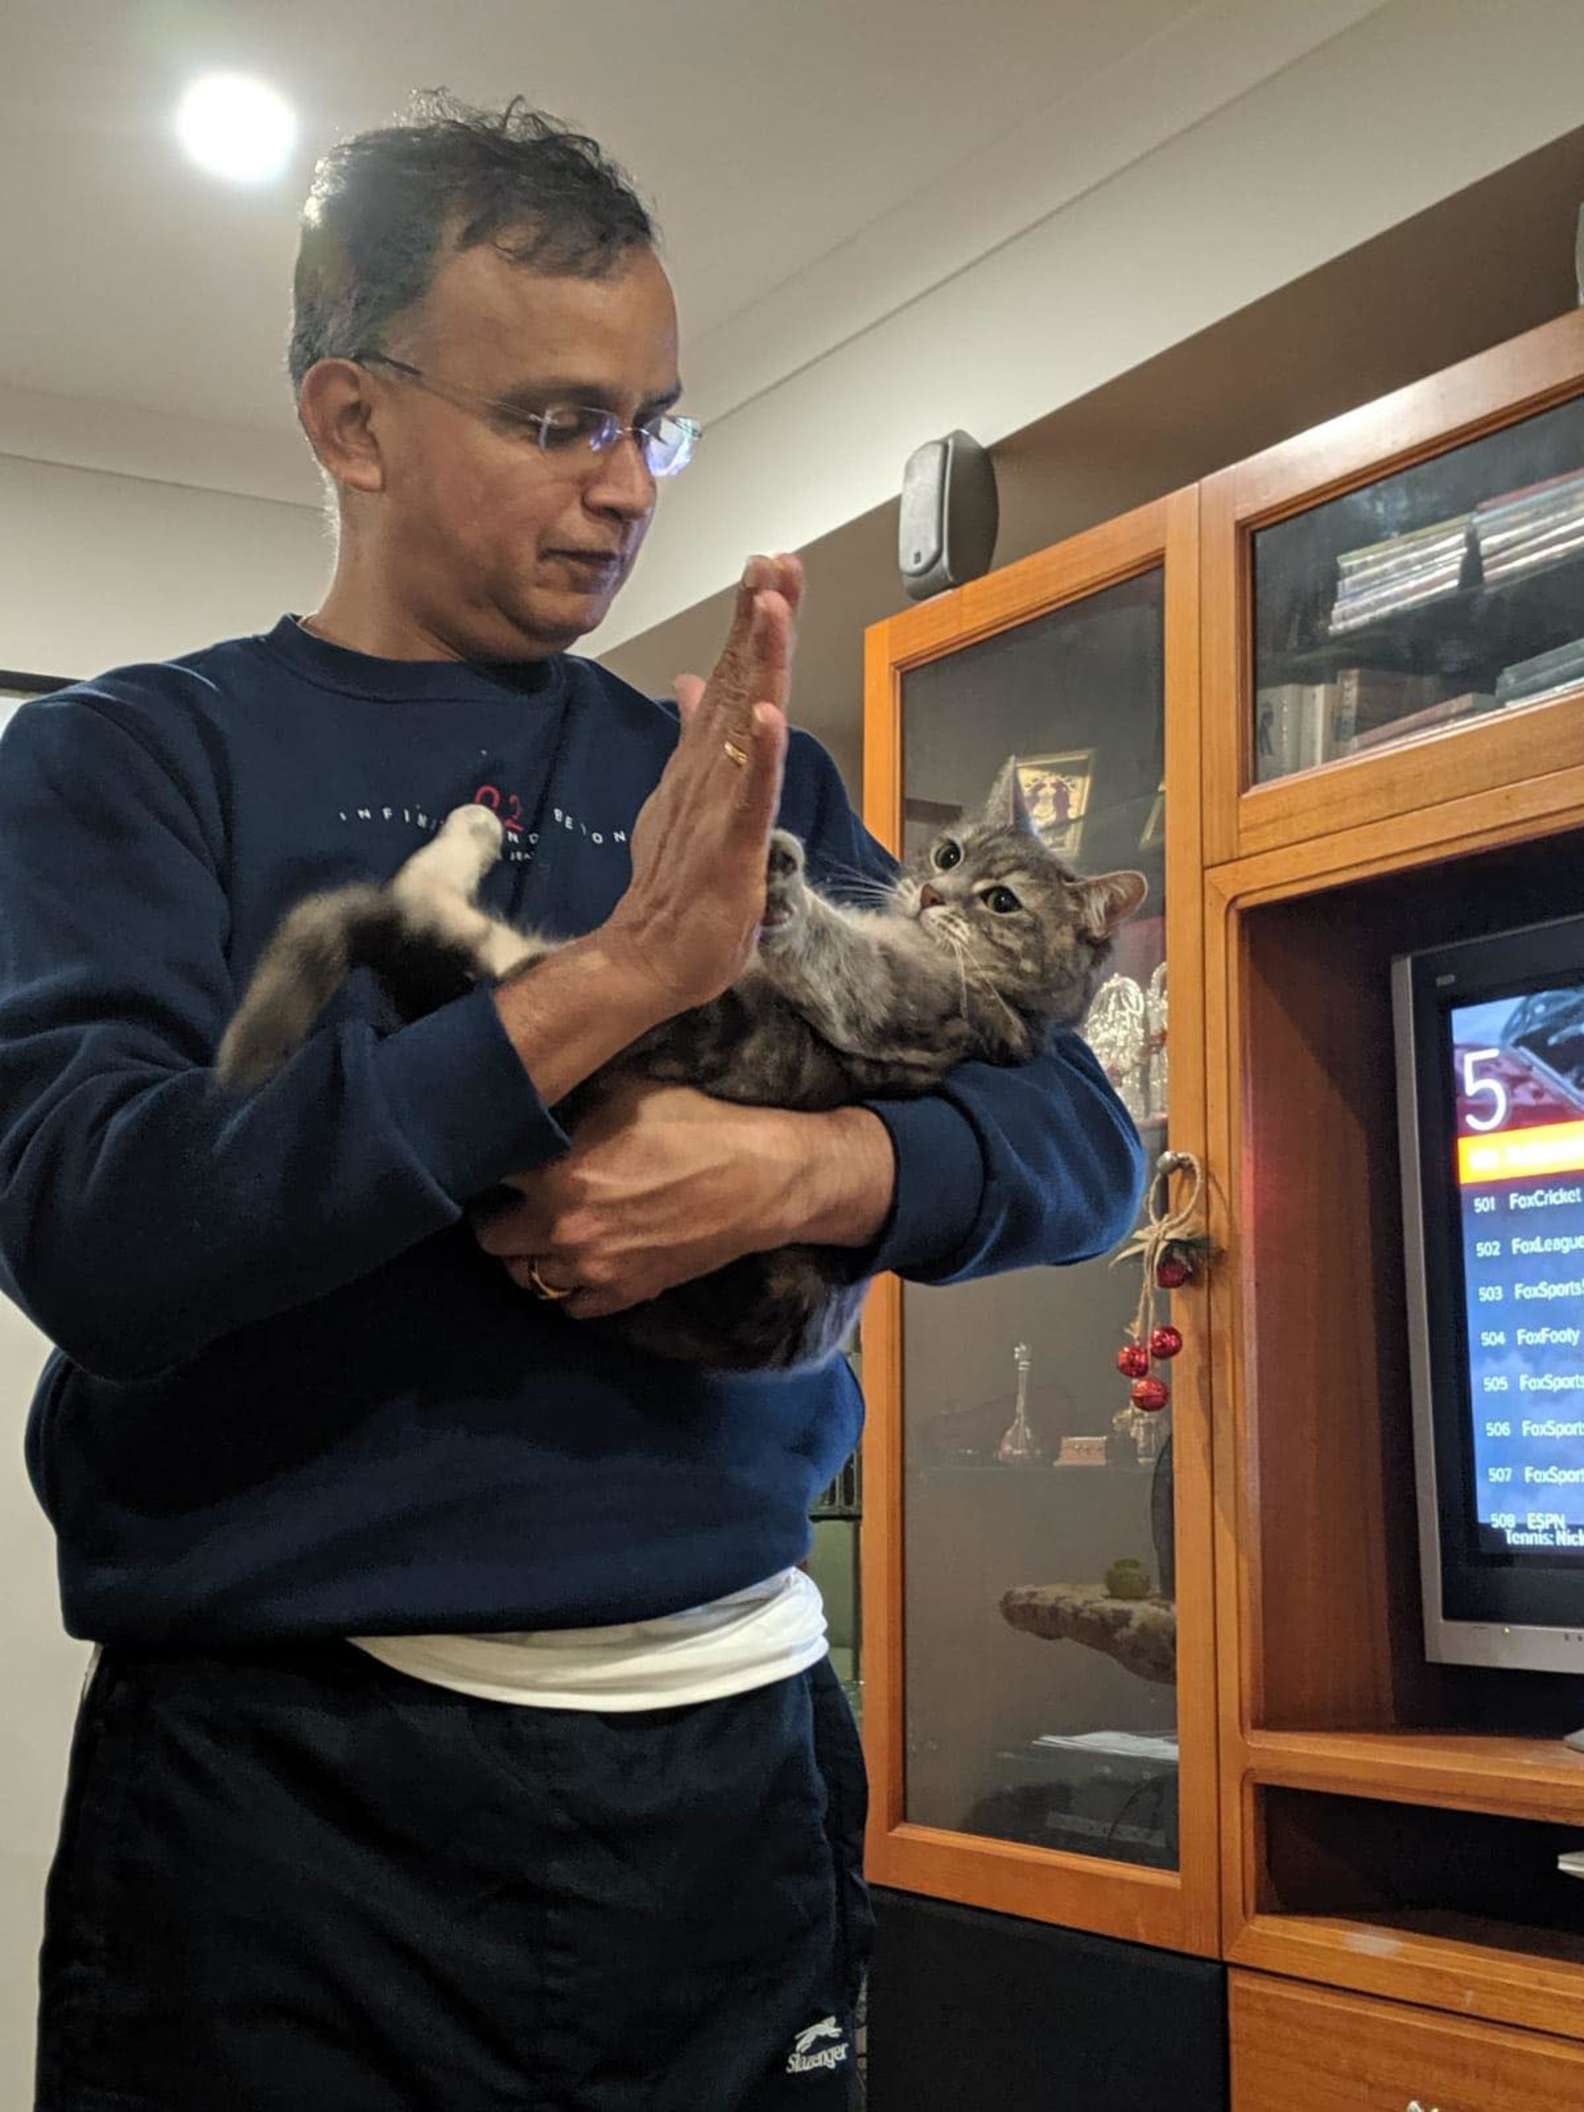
(759,795)
(732,668)
(597,1305)
(740,676)
(687,689)
(761,671)
(769,675)
(790,581)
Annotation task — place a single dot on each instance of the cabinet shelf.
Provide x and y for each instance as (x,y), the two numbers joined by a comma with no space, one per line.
(1521,1778)
(993,1470)
(1460,1962)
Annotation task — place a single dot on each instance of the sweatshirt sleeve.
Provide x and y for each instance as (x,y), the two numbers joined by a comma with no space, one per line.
(145,1211)
(1001,1166)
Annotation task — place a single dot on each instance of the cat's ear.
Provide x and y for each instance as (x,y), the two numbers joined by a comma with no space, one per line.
(1109,901)
(1006,807)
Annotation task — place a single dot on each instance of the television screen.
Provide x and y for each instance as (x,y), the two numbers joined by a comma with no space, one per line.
(1518,1080)
(1490,1041)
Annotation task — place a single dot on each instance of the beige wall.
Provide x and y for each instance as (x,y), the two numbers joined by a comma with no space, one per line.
(97,570)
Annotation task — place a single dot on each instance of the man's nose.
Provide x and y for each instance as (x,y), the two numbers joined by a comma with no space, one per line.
(622,481)
(928,898)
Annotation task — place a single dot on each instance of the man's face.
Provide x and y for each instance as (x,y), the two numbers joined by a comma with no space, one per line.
(496,548)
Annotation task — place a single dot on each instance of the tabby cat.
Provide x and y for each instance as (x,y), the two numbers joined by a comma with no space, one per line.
(977,951)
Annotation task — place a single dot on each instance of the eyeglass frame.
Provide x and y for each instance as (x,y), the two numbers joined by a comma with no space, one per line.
(611,431)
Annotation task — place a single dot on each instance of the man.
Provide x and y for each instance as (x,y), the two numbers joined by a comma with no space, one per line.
(462,1733)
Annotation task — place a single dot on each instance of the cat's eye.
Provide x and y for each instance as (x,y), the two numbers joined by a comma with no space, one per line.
(1003,901)
(947,855)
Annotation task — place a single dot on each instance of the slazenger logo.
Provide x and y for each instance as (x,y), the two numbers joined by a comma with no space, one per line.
(803,2059)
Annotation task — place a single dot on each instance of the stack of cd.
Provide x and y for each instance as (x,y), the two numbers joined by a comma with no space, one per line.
(1403,572)
(1523,531)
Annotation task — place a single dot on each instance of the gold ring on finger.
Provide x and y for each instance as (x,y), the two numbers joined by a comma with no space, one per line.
(541,1289)
(738,755)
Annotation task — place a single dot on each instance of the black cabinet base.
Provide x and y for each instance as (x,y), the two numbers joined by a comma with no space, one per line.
(981,2012)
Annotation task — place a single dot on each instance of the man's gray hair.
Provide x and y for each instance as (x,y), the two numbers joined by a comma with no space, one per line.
(388,207)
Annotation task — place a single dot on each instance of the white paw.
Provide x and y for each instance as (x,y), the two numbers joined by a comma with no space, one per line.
(479,822)
(786,893)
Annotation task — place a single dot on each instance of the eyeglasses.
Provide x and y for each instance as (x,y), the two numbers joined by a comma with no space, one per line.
(566,429)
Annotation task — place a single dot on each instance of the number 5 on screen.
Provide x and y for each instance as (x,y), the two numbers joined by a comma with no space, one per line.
(1477,1088)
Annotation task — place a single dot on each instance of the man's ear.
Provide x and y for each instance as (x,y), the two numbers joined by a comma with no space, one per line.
(335,406)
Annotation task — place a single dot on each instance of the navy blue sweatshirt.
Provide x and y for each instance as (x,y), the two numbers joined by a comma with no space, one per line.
(291,1396)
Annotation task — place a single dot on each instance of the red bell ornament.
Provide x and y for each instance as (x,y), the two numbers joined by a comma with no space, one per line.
(1164,1342)
(1172,1272)
(1149,1395)
(1133,1362)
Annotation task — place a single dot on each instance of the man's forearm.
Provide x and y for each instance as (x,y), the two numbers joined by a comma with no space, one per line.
(845,1178)
(572,1012)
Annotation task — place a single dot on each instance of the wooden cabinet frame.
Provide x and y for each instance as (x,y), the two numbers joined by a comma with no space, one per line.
(1516,755)
(1176,1909)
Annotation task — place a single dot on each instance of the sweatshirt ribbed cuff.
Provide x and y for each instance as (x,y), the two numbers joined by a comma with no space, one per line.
(940,1178)
(464,1103)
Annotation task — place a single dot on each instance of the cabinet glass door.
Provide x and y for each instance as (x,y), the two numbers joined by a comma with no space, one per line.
(1448,593)
(1039,1630)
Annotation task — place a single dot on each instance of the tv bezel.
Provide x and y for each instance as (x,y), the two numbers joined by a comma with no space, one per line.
(1522,1608)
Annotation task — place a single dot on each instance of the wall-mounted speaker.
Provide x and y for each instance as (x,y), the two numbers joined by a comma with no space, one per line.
(950,513)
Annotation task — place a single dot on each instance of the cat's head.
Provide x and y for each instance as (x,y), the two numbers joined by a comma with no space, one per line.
(989,891)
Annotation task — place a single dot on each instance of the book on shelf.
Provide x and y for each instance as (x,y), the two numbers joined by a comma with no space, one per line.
(1546,675)
(1428,719)
(1367,697)
(1278,720)
(1300,725)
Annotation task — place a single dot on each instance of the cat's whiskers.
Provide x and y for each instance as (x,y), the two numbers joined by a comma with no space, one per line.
(958,950)
(983,982)
(875,895)
(856,881)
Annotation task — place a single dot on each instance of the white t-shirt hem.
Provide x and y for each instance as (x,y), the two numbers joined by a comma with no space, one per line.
(753,1638)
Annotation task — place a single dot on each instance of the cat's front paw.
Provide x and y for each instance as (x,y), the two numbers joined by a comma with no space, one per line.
(455,859)
(786,889)
(481,825)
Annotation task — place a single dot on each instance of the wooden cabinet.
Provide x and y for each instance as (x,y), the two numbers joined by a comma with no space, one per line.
(1040,1776)
(1388,1825)
(1307,2047)
(1386,1830)
(1384,603)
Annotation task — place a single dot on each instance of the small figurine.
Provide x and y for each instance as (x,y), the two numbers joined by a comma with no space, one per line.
(1020,1447)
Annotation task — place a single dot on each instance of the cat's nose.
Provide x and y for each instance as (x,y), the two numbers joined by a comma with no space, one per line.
(928,899)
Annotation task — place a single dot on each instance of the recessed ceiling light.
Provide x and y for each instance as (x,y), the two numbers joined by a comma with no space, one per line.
(236,128)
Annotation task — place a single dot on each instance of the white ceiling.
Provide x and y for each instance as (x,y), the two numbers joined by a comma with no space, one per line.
(767,134)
